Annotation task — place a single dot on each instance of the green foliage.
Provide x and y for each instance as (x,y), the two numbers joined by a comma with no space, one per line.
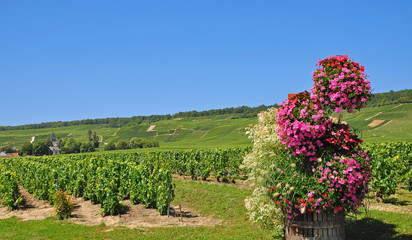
(70,145)
(9,189)
(122,145)
(40,149)
(391,97)
(199,163)
(143,143)
(95,140)
(26,149)
(63,204)
(7,149)
(390,166)
(86,147)
(105,179)
(110,146)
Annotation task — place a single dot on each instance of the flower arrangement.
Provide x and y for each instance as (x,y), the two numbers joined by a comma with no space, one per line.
(340,84)
(302,123)
(63,204)
(320,167)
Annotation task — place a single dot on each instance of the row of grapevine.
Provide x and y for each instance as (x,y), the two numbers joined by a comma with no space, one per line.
(9,189)
(390,163)
(198,163)
(101,179)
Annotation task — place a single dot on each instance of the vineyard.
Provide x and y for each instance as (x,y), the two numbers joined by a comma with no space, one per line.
(146,177)
(107,179)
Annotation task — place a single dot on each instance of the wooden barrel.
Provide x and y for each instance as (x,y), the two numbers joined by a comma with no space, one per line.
(314,226)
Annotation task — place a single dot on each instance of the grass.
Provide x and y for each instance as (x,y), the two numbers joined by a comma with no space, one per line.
(379,225)
(396,125)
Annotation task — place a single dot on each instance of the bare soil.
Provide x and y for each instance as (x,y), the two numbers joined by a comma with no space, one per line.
(30,209)
(375,123)
(151,128)
(389,207)
(87,213)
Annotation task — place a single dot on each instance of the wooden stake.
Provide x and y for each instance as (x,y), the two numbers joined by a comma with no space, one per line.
(180,207)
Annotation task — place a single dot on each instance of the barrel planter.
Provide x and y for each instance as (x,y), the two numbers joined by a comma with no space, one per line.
(314,226)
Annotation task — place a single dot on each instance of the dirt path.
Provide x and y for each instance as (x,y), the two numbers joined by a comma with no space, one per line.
(374,116)
(114,134)
(31,209)
(87,213)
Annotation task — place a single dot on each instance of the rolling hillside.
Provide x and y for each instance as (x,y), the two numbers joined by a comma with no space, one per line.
(386,123)
(377,124)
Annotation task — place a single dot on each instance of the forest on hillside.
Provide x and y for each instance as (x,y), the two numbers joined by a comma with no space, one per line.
(391,97)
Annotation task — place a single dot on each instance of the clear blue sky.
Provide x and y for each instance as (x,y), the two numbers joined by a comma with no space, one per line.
(71,60)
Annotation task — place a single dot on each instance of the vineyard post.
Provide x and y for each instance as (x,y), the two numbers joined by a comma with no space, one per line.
(57,184)
(180,208)
(168,201)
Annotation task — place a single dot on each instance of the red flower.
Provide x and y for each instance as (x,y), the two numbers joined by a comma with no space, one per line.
(311,200)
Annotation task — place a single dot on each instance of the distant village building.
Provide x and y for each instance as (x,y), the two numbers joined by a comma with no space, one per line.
(54,148)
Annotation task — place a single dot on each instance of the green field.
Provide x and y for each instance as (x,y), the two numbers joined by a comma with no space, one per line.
(220,131)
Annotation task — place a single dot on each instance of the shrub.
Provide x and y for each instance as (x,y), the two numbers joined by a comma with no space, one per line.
(63,204)
(110,146)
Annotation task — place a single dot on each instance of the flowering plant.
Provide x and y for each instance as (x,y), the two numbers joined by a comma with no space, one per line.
(321,167)
(334,184)
(63,204)
(302,123)
(340,84)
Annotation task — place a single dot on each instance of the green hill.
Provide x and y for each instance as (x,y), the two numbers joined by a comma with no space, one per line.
(386,123)
(376,124)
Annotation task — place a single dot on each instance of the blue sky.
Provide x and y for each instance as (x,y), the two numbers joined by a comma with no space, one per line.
(71,60)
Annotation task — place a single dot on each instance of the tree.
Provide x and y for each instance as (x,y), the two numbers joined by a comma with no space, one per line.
(90,135)
(143,143)
(95,140)
(40,149)
(70,145)
(86,147)
(26,149)
(136,142)
(122,145)
(7,149)
(110,146)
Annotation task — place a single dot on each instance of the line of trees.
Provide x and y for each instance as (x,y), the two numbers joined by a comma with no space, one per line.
(132,144)
(391,97)
(39,148)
